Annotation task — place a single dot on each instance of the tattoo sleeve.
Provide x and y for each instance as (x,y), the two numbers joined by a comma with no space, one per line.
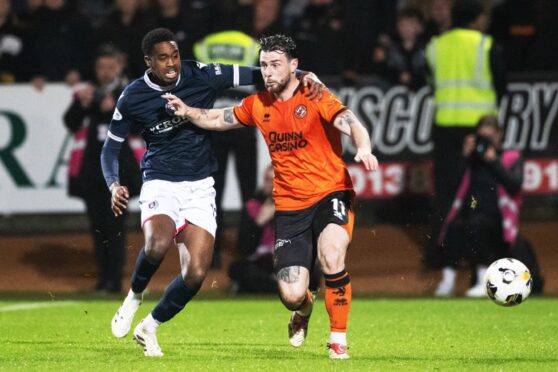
(228,116)
(289,274)
(347,118)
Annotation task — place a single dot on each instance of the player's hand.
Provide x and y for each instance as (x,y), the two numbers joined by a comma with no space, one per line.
(119,198)
(180,108)
(316,87)
(367,159)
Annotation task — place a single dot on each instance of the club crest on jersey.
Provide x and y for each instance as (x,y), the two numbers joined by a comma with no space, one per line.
(154,204)
(117,115)
(300,111)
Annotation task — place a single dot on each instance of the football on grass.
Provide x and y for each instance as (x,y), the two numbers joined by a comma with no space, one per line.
(507,282)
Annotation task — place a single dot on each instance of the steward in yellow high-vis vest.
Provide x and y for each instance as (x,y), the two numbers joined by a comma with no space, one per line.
(467,75)
(462,79)
(227,47)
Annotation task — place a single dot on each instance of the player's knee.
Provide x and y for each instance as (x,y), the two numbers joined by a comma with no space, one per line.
(292,299)
(332,259)
(156,245)
(195,275)
(292,302)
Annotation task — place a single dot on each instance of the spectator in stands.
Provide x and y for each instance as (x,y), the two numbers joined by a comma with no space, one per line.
(402,59)
(87,119)
(483,222)
(293,10)
(12,44)
(94,10)
(365,22)
(266,19)
(124,28)
(254,272)
(188,20)
(469,80)
(317,33)
(28,14)
(527,30)
(255,18)
(439,18)
(60,43)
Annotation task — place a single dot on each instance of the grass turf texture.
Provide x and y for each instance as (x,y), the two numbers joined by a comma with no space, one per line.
(251,334)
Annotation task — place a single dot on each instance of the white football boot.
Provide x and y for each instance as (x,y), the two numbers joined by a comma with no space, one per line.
(122,320)
(298,326)
(148,340)
(337,351)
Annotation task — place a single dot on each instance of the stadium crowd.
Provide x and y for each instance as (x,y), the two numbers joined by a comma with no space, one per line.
(56,40)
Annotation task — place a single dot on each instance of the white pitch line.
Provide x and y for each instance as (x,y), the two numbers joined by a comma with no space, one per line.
(35,305)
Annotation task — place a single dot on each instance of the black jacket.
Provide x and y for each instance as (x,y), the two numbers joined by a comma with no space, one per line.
(90,181)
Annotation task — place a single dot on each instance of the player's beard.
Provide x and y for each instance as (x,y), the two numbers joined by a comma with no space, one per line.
(277,87)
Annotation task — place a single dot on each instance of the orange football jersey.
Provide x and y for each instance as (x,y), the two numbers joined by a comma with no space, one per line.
(304,145)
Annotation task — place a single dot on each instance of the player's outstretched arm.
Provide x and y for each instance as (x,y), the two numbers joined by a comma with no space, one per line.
(349,124)
(213,119)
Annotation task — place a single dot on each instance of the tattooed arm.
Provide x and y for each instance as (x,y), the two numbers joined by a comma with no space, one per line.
(348,124)
(213,119)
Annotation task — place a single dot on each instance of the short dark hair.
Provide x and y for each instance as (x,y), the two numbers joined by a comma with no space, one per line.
(108,50)
(155,36)
(411,12)
(279,43)
(464,12)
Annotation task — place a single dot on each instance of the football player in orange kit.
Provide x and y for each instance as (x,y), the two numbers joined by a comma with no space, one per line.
(313,192)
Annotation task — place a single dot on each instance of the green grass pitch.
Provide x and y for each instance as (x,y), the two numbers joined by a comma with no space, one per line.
(251,335)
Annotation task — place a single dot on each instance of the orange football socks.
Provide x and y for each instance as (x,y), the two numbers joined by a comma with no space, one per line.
(338,295)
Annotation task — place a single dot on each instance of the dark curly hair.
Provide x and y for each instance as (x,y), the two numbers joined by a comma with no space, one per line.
(153,37)
(279,43)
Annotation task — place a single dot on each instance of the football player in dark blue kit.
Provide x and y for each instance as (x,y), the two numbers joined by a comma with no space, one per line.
(177,199)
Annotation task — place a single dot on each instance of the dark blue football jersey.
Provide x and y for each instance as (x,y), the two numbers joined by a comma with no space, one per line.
(177,150)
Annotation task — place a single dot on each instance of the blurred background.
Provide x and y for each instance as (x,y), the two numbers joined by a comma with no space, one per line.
(64,62)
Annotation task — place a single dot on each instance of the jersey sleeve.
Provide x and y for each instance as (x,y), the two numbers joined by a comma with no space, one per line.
(243,112)
(330,106)
(220,76)
(118,131)
(120,123)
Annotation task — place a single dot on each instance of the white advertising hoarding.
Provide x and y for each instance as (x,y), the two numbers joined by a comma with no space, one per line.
(34,148)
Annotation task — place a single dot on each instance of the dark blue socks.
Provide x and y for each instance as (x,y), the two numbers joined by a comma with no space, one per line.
(145,268)
(176,296)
